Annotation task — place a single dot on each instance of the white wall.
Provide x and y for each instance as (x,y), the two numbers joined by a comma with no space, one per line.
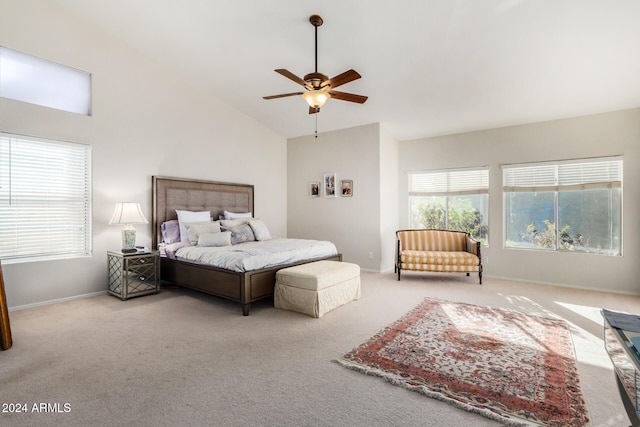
(616,133)
(352,223)
(145,122)
(389,197)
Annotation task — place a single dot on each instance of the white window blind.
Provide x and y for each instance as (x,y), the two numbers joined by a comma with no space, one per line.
(583,174)
(45,198)
(449,182)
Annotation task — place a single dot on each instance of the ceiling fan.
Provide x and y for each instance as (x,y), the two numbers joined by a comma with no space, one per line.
(319,87)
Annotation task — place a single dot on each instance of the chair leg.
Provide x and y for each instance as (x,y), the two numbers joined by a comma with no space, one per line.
(398,274)
(480,276)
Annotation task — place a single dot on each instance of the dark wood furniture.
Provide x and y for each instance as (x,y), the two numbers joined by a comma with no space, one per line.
(169,194)
(133,274)
(5,328)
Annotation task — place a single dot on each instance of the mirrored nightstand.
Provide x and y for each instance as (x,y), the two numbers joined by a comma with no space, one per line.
(133,274)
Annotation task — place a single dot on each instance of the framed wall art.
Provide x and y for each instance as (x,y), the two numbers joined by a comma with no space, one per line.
(346,188)
(329,185)
(314,189)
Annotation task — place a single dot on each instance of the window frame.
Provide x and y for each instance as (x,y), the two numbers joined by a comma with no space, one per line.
(577,178)
(36,209)
(38,81)
(452,182)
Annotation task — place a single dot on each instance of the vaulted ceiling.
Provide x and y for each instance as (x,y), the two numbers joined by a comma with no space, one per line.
(429,67)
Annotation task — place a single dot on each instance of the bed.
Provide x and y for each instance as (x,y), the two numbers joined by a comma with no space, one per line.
(173,194)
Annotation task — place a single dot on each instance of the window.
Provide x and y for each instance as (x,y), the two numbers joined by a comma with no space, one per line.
(45,199)
(564,206)
(451,200)
(37,81)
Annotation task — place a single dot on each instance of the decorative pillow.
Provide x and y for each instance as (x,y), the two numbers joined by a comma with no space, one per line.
(260,230)
(170,231)
(185,217)
(215,239)
(195,229)
(234,222)
(234,215)
(240,234)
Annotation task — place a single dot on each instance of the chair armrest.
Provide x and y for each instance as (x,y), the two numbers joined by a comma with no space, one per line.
(473,246)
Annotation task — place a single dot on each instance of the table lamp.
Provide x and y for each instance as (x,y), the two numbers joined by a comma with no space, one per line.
(127,214)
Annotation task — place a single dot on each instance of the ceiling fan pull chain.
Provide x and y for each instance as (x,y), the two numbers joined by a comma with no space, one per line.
(317,126)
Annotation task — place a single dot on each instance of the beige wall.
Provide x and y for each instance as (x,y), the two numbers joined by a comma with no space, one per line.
(616,133)
(145,122)
(352,223)
(389,197)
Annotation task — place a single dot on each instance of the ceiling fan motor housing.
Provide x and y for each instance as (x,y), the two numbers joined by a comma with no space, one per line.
(315,79)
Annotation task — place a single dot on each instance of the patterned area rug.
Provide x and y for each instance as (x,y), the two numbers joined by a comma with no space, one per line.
(515,368)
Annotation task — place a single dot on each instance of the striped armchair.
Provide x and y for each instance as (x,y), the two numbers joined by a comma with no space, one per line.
(437,251)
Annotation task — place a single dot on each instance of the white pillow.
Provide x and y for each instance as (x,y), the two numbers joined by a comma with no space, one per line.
(195,229)
(234,222)
(234,215)
(215,239)
(260,230)
(185,217)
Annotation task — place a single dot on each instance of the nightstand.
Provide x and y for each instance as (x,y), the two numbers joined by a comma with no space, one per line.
(133,274)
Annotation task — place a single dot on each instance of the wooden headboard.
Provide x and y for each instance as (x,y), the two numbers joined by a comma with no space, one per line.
(169,194)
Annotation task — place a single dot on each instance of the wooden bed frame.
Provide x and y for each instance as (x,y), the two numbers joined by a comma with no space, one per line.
(169,194)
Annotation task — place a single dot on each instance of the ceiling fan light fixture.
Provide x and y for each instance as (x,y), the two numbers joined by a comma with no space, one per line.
(316,98)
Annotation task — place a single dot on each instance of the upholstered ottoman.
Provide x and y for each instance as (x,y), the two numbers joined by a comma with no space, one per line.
(317,287)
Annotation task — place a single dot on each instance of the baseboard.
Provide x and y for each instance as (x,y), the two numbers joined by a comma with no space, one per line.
(55,301)
(562,285)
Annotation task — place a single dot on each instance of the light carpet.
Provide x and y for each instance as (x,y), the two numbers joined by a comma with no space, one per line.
(512,367)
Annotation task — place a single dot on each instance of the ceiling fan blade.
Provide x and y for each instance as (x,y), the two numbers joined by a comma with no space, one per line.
(288,74)
(351,97)
(282,95)
(313,110)
(340,79)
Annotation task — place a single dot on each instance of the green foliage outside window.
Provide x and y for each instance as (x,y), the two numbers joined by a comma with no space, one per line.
(590,221)
(458,214)
(546,238)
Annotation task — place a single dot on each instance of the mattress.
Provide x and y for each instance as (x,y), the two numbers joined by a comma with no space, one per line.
(249,256)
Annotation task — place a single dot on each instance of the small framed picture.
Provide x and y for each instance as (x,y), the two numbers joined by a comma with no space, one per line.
(314,189)
(346,188)
(329,186)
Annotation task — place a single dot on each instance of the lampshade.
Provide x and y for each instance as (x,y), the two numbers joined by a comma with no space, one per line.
(316,98)
(126,214)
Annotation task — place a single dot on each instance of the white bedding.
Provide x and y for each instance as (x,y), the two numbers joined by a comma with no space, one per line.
(250,256)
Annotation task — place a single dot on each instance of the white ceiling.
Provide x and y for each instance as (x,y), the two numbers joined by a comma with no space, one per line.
(429,67)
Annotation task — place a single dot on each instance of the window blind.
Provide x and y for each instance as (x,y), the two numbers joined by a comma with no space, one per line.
(584,174)
(449,182)
(45,198)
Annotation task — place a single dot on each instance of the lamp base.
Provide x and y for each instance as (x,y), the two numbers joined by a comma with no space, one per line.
(128,239)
